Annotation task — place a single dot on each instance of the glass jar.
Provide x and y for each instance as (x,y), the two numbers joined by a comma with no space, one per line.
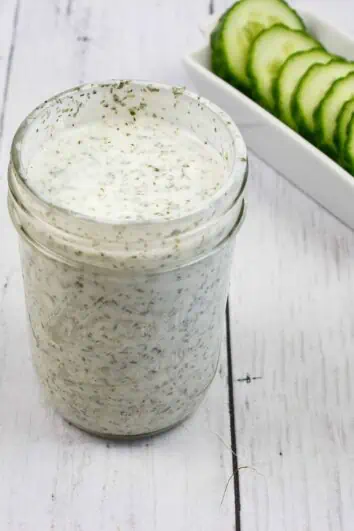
(126,318)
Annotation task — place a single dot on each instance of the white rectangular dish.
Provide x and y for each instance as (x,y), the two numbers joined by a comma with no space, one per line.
(274,142)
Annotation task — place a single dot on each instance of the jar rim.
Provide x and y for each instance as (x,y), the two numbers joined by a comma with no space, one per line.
(230,126)
(150,272)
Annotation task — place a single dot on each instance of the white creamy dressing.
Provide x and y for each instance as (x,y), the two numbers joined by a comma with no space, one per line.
(138,171)
(128,354)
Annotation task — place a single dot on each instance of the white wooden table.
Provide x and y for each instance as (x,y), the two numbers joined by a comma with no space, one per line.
(272,447)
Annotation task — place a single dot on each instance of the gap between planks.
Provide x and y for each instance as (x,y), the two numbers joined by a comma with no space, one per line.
(235,466)
(8,68)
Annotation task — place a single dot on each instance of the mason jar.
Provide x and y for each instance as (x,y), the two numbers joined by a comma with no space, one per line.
(126,317)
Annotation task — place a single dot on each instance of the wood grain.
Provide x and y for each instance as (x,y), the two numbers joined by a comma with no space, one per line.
(292,332)
(53,477)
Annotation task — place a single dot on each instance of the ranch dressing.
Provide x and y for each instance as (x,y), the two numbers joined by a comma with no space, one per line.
(143,170)
(126,243)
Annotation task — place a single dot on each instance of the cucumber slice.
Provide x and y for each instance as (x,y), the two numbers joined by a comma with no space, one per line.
(236,30)
(289,76)
(349,147)
(341,132)
(268,53)
(328,111)
(310,91)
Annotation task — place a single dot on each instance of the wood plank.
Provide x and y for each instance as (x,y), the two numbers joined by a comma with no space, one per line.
(53,476)
(9,10)
(292,330)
